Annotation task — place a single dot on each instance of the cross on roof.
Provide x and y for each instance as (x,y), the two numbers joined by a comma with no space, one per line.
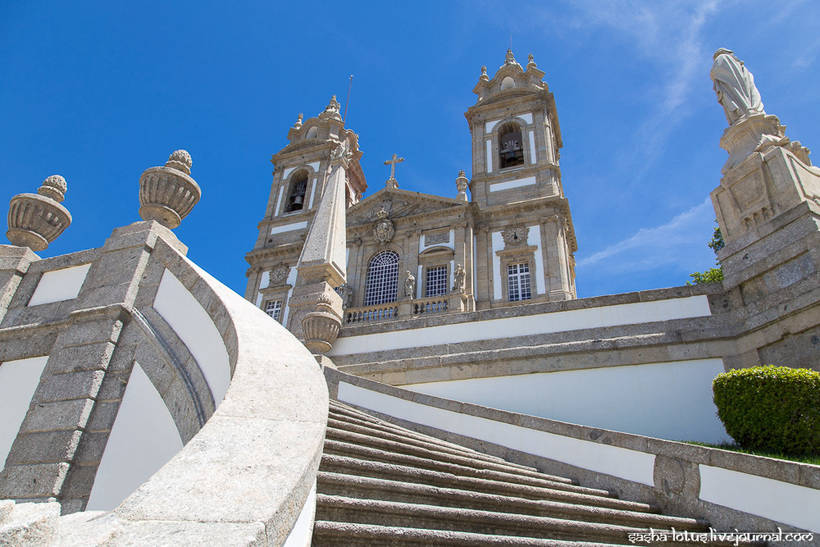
(392,163)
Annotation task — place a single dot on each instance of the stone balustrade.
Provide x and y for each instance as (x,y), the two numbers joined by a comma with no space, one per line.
(376,312)
(432,304)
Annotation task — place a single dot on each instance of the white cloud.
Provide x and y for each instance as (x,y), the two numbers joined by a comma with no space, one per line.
(669,35)
(679,242)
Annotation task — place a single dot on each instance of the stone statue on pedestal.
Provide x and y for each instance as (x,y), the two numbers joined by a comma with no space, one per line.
(458,279)
(735,87)
(410,286)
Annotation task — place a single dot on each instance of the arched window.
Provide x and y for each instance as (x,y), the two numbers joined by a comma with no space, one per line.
(507,83)
(382,279)
(296,195)
(312,133)
(510,146)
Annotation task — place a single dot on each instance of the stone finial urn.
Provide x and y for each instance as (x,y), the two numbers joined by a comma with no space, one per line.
(168,193)
(35,220)
(321,326)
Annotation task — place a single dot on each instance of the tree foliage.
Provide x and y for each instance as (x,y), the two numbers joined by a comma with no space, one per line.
(712,275)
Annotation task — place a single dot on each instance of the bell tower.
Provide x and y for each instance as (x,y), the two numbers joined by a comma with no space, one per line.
(516,184)
(301,173)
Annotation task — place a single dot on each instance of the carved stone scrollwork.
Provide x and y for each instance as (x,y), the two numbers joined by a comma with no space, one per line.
(35,220)
(321,326)
(515,236)
(279,275)
(384,229)
(168,193)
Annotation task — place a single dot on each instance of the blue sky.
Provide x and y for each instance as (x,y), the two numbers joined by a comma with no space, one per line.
(100,91)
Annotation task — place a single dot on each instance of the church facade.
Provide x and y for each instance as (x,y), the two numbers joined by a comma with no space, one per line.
(510,243)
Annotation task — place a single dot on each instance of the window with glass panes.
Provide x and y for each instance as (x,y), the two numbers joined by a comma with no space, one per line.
(436,284)
(382,279)
(274,309)
(518,282)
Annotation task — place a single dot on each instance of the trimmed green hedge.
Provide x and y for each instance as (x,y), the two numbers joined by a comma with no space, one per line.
(771,408)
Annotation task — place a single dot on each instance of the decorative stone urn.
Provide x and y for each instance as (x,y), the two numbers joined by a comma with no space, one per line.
(168,193)
(35,220)
(321,326)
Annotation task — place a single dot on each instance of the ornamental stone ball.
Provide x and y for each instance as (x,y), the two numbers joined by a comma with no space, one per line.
(35,220)
(168,193)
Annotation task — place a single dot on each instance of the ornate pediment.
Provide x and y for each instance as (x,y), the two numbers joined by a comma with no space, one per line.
(392,204)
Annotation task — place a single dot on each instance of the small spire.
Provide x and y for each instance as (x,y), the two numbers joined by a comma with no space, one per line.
(510,58)
(462,183)
(332,110)
(530,60)
(484,74)
(298,123)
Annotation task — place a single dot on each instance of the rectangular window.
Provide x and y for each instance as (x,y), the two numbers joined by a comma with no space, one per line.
(274,309)
(436,281)
(518,282)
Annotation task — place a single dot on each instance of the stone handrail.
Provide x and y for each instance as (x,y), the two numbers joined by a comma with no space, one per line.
(248,476)
(729,489)
(376,312)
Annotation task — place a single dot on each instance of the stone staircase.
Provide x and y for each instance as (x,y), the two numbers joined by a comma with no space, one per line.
(381,484)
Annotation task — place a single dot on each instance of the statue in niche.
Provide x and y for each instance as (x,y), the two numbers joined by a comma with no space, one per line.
(735,87)
(410,286)
(458,279)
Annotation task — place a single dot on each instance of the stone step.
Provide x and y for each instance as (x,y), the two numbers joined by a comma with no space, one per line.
(400,434)
(388,490)
(432,453)
(351,450)
(412,515)
(406,439)
(328,533)
(405,473)
(355,417)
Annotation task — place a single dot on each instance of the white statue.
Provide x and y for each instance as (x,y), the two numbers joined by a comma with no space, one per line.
(458,279)
(410,286)
(735,87)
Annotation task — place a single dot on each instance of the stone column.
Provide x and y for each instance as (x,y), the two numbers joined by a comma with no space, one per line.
(315,307)
(484,266)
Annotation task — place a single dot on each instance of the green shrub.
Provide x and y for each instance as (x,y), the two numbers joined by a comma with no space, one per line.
(771,408)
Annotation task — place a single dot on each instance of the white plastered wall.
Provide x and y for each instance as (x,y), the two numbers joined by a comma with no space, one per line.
(666,400)
(59,285)
(142,440)
(197,330)
(18,381)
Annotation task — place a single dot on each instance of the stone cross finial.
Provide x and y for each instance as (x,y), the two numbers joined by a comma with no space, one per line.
(35,220)
(168,193)
(392,182)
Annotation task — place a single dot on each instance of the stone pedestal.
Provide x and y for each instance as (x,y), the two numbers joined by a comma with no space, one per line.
(315,315)
(406,308)
(768,208)
(14,263)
